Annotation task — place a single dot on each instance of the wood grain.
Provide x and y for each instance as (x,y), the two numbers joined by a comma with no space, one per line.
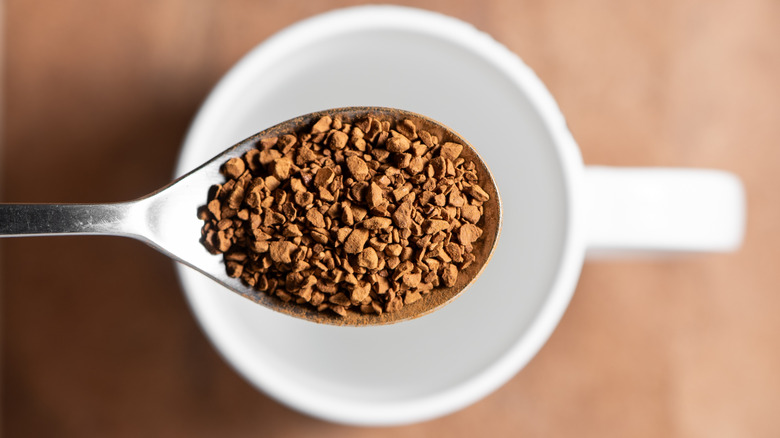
(97,339)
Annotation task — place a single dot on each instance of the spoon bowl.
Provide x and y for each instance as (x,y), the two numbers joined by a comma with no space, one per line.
(167,220)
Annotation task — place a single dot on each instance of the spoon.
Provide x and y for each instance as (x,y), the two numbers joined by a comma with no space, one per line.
(167,221)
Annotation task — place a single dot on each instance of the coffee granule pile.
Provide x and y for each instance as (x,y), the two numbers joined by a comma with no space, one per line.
(363,215)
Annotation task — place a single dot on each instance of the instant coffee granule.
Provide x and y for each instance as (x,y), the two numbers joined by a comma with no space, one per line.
(363,215)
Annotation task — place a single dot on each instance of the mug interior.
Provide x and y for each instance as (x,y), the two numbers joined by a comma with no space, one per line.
(445,69)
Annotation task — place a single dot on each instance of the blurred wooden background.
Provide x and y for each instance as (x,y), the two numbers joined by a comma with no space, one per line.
(97,339)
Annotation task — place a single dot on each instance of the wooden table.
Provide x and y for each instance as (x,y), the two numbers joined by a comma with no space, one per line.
(97,339)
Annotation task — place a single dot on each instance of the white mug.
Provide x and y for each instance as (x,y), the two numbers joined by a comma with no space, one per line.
(555,210)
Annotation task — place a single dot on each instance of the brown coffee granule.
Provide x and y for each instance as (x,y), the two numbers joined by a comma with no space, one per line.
(363,215)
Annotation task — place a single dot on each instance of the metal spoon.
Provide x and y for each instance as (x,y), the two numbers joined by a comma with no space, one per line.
(167,220)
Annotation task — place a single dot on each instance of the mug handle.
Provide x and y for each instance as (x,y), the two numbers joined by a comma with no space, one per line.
(654,210)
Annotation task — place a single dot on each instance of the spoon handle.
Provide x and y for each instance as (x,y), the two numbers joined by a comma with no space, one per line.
(19,220)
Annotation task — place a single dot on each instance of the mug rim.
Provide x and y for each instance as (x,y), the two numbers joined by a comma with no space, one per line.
(461,33)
